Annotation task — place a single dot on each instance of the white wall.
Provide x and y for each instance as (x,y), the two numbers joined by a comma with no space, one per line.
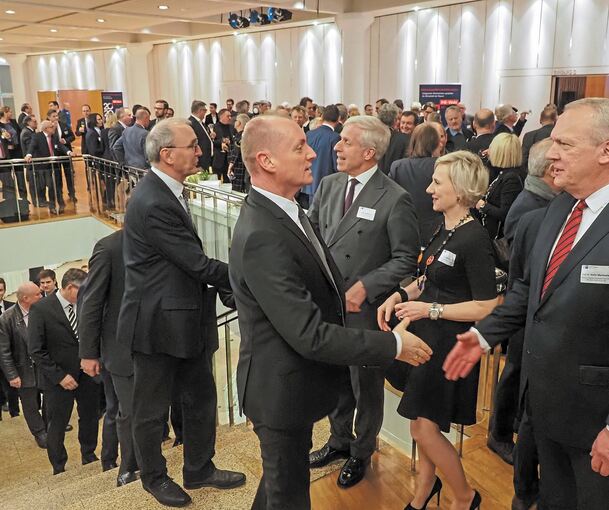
(501,51)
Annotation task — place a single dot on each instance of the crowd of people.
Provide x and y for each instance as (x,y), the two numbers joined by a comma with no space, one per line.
(391,273)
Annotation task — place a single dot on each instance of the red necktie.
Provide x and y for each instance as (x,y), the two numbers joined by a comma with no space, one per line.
(350,194)
(564,245)
(51,153)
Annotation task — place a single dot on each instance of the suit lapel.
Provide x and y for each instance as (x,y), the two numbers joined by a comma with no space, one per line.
(368,197)
(288,223)
(57,309)
(594,234)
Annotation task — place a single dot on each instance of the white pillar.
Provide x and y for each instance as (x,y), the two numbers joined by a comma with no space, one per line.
(355,34)
(139,75)
(19,80)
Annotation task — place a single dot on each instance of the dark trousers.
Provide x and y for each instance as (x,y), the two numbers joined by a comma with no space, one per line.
(526,462)
(9,396)
(123,386)
(31,410)
(362,388)
(285,464)
(48,183)
(567,480)
(59,405)
(506,405)
(109,451)
(155,378)
(68,173)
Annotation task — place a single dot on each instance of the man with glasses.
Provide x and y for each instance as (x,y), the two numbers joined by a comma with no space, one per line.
(160,112)
(53,345)
(168,318)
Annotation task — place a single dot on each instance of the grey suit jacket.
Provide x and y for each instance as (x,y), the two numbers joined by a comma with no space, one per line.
(379,252)
(130,148)
(566,345)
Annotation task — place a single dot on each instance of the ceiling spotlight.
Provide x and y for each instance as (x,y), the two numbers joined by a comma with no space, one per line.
(94,39)
(163,7)
(237,22)
(1,39)
(9,11)
(54,30)
(101,20)
(277,15)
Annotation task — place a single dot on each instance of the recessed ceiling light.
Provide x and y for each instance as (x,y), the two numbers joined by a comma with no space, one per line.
(54,30)
(145,30)
(163,7)
(1,39)
(101,20)
(416,7)
(9,11)
(94,39)
(118,47)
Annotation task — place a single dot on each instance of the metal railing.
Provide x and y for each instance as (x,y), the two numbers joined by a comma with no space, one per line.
(34,189)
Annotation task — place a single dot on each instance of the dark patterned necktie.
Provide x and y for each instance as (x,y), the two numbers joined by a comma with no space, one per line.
(350,194)
(72,319)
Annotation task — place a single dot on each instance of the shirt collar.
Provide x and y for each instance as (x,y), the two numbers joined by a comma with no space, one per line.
(23,311)
(363,178)
(288,206)
(176,187)
(598,200)
(453,133)
(63,301)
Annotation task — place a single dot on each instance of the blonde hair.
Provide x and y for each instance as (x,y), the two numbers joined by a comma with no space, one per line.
(505,151)
(468,175)
(110,120)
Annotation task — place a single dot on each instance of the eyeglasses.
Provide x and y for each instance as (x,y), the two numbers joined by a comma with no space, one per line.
(192,147)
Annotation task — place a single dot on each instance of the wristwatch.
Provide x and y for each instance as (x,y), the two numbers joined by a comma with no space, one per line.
(435,311)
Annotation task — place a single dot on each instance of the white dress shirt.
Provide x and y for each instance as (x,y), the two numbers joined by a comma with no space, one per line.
(362,179)
(176,187)
(65,304)
(290,207)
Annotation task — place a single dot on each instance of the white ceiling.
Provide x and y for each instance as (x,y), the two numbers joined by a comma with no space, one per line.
(38,26)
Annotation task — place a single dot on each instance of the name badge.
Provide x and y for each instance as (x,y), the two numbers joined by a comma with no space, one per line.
(595,274)
(366,213)
(447,257)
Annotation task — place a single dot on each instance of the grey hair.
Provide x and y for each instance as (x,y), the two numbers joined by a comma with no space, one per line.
(599,126)
(45,124)
(161,136)
(538,163)
(503,111)
(388,114)
(243,118)
(374,134)
(343,113)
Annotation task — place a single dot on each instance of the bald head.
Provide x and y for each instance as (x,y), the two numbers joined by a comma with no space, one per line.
(261,134)
(142,117)
(28,293)
(484,121)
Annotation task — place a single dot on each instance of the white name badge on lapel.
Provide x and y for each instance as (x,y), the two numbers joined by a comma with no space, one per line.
(595,274)
(447,257)
(366,213)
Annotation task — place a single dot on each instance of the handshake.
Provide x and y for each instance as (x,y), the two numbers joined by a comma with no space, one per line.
(414,351)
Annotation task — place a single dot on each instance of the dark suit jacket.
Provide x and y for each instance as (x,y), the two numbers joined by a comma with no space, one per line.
(565,359)
(7,305)
(114,133)
(99,306)
(66,133)
(459,141)
(21,118)
(15,360)
(392,238)
(205,143)
(322,140)
(531,138)
(25,139)
(95,143)
(82,122)
(290,317)
(52,343)
(526,201)
(500,197)
(398,149)
(165,307)
(500,127)
(414,175)
(209,119)
(39,148)
(220,159)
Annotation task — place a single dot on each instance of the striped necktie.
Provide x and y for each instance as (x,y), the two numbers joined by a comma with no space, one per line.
(72,319)
(564,244)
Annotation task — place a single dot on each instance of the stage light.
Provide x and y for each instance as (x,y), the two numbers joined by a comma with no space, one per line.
(237,22)
(257,18)
(277,15)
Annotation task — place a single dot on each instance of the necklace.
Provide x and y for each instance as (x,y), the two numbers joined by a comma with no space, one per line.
(430,260)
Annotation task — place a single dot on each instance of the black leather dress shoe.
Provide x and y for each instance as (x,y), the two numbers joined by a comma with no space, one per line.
(523,504)
(219,479)
(504,449)
(352,472)
(41,440)
(169,493)
(88,459)
(125,478)
(325,455)
(58,471)
(107,466)
(177,442)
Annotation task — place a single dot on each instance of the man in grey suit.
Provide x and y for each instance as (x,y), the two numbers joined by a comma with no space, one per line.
(125,119)
(130,148)
(370,226)
(562,302)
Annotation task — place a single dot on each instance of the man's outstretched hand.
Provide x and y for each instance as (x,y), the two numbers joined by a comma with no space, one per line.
(414,350)
(463,356)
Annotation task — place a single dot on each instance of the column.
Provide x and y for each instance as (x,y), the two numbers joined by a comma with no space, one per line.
(139,75)
(19,81)
(355,34)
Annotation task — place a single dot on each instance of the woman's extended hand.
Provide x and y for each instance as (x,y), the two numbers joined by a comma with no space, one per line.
(413,310)
(384,312)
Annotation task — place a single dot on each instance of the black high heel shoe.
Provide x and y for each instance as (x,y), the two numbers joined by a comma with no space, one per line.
(476,502)
(436,489)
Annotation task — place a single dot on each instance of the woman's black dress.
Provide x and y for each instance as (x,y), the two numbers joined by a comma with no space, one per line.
(428,394)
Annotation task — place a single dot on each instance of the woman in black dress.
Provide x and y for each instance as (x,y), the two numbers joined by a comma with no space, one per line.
(455,287)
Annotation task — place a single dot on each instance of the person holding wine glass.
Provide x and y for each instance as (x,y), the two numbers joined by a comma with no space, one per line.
(454,287)
(222,144)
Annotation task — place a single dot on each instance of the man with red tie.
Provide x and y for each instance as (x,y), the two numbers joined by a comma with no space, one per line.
(563,304)
(44,145)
